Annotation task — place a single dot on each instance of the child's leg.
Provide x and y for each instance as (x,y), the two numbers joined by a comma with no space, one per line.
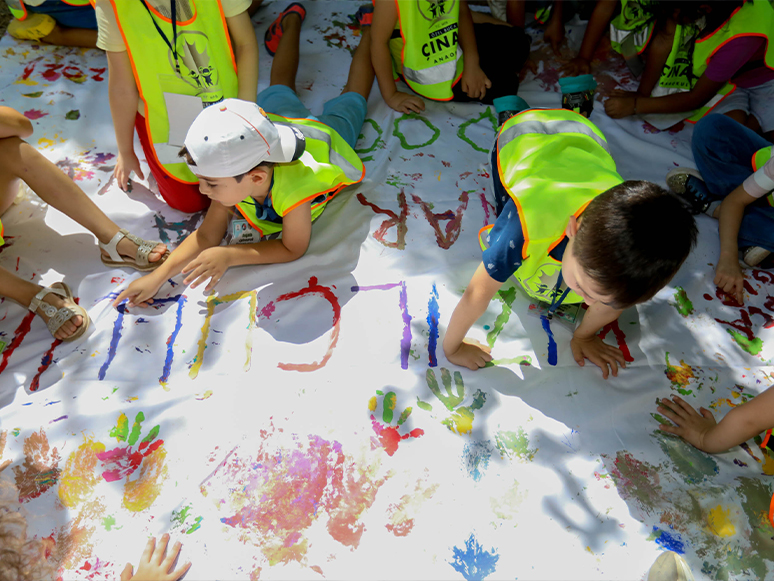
(285,65)
(19,160)
(723,151)
(23,292)
(63,36)
(361,71)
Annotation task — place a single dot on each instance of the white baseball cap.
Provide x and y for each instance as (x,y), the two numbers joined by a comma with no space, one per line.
(232,137)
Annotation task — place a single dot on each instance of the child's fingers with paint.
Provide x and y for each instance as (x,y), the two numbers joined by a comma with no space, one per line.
(729,277)
(690,425)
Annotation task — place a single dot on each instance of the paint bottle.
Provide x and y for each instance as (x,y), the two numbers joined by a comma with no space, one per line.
(578,94)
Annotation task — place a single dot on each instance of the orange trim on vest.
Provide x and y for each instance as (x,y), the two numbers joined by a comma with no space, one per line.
(165,19)
(736,36)
(515,201)
(647,42)
(711,34)
(246,217)
(771,511)
(723,98)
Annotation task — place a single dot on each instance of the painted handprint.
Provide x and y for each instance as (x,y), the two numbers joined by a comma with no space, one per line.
(461,419)
(388,436)
(124,461)
(40,470)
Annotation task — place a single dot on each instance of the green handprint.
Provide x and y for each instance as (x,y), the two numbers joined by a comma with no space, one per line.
(461,419)
(388,436)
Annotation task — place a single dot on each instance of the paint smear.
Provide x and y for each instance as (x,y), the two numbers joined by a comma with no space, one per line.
(397,220)
(33,114)
(515,445)
(40,470)
(505,508)
(475,458)
(446,238)
(679,375)
(118,327)
(388,437)
(719,522)
(693,466)
(180,300)
(473,562)
(636,479)
(79,478)
(682,303)
(401,514)
(45,363)
(405,342)
(18,336)
(671,541)
(620,339)
(433,316)
(552,356)
(141,492)
(274,496)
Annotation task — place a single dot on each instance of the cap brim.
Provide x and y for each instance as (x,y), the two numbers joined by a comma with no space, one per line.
(291,146)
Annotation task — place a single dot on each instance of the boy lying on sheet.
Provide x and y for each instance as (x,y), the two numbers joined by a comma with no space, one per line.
(278,174)
(570,229)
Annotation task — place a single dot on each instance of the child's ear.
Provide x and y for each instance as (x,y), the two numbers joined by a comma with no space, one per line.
(572,227)
(259,175)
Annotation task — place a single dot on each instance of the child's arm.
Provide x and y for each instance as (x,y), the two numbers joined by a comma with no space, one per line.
(623,104)
(242,33)
(728,274)
(586,345)
(739,425)
(595,30)
(123,96)
(515,12)
(383,23)
(554,33)
(141,291)
(14,124)
(474,81)
(472,305)
(214,262)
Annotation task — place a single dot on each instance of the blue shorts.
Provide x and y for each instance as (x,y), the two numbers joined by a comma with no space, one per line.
(344,114)
(67,15)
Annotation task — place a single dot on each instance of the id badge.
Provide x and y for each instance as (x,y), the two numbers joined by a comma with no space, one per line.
(566,315)
(243,233)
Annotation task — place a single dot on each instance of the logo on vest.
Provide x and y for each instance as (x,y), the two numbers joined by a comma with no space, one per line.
(197,68)
(435,10)
(442,45)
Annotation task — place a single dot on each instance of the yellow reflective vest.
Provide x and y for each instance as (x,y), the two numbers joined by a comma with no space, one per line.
(631,30)
(207,68)
(553,163)
(327,166)
(19,10)
(431,58)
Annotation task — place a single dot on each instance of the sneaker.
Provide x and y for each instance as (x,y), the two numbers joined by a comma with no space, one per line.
(670,567)
(755,255)
(273,35)
(364,15)
(688,184)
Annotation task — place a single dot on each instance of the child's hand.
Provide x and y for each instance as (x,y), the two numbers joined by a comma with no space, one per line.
(470,354)
(604,356)
(475,82)
(620,104)
(125,165)
(155,563)
(554,34)
(729,277)
(575,67)
(140,292)
(211,263)
(405,103)
(689,425)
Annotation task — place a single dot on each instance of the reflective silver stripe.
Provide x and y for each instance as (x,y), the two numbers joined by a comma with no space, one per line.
(630,42)
(432,75)
(353,173)
(548,128)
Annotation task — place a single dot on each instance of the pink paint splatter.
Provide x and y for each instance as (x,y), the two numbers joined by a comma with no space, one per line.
(33,114)
(389,438)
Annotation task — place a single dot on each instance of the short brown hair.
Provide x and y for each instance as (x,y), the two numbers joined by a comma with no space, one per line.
(632,239)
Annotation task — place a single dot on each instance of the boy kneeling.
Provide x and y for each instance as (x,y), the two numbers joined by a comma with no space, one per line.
(279,174)
(569,229)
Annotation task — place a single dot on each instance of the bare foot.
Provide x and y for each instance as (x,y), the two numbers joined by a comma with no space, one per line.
(70,326)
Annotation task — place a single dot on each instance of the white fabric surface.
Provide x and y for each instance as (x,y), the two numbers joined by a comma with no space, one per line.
(271,465)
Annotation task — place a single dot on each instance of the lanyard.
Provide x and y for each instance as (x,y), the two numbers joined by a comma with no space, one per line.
(172,45)
(557,300)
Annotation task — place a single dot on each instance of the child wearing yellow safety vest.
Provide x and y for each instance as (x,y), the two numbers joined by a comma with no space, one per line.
(570,230)
(725,67)
(277,165)
(735,167)
(434,47)
(60,22)
(167,60)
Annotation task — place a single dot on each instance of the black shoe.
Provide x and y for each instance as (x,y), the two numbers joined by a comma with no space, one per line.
(688,184)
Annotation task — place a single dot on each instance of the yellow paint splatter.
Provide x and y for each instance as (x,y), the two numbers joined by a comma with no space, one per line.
(372,404)
(79,478)
(207,394)
(720,523)
(140,493)
(25,82)
(768,464)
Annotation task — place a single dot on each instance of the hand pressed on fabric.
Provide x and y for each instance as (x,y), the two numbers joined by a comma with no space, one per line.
(155,563)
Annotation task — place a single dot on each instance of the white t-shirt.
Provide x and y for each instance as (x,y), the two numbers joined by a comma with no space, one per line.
(109,36)
(762,181)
